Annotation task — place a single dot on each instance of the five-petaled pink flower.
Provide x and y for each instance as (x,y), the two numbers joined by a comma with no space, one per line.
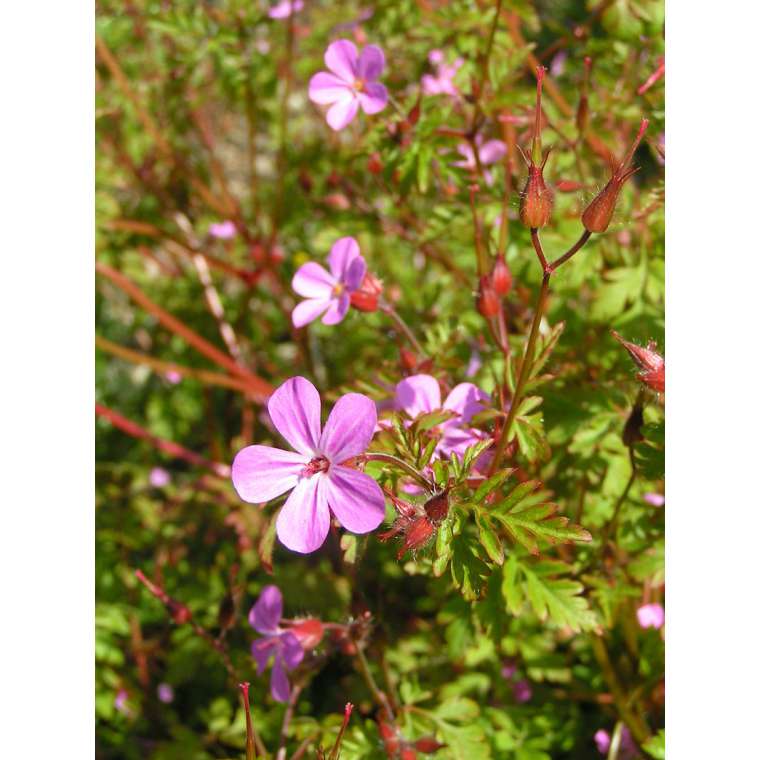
(285,8)
(651,616)
(329,292)
(315,472)
(265,617)
(489,152)
(441,83)
(420,394)
(352,83)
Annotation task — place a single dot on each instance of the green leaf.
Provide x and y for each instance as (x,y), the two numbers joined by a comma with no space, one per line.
(468,570)
(490,542)
(655,747)
(489,486)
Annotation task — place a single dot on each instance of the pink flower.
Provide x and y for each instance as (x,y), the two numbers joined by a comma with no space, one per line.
(655,499)
(283,645)
(159,477)
(285,8)
(441,83)
(165,693)
(508,669)
(173,377)
(352,83)
(320,483)
(602,739)
(627,749)
(120,702)
(521,691)
(420,394)
(223,230)
(651,616)
(329,292)
(489,152)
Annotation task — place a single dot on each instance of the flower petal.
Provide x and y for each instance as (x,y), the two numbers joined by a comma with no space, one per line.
(371,63)
(341,256)
(309,310)
(349,428)
(355,274)
(466,399)
(266,614)
(337,309)
(341,114)
(374,98)
(261,473)
(295,410)
(292,651)
(492,151)
(261,650)
(326,88)
(341,58)
(418,394)
(355,499)
(279,685)
(304,520)
(312,280)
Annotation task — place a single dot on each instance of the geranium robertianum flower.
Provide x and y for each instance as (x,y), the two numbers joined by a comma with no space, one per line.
(225,230)
(651,616)
(441,83)
(421,394)
(315,472)
(329,293)
(350,83)
(489,152)
(283,645)
(285,8)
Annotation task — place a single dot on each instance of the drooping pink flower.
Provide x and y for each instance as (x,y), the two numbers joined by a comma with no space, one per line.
(651,616)
(283,645)
(165,693)
(350,83)
(489,152)
(320,483)
(441,83)
(159,477)
(285,8)
(421,394)
(329,293)
(223,230)
(521,691)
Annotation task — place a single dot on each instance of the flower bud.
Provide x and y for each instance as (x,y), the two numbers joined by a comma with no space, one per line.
(428,745)
(488,300)
(651,364)
(408,359)
(374,163)
(367,297)
(437,507)
(501,277)
(598,214)
(309,632)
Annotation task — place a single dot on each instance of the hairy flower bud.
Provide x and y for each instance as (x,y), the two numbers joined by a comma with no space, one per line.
(488,300)
(309,632)
(598,214)
(437,507)
(501,277)
(367,297)
(651,364)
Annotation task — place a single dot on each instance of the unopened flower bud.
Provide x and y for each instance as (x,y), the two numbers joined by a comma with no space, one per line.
(367,297)
(488,300)
(407,753)
(598,214)
(374,163)
(501,277)
(309,632)
(408,359)
(428,745)
(651,364)
(437,507)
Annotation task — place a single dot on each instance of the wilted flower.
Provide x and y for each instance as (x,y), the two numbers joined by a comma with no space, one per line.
(329,293)
(319,481)
(165,693)
(223,230)
(489,152)
(651,616)
(159,477)
(441,83)
(283,645)
(285,8)
(651,364)
(352,83)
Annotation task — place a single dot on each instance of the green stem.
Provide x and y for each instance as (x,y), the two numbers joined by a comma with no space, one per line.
(371,456)
(386,308)
(379,696)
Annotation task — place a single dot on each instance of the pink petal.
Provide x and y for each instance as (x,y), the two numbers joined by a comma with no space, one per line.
(342,254)
(418,394)
(304,519)
(261,473)
(342,59)
(295,410)
(435,57)
(355,499)
(266,614)
(341,114)
(349,428)
(371,63)
(355,274)
(374,98)
(279,686)
(492,151)
(309,310)
(337,309)
(430,85)
(312,280)
(466,399)
(326,88)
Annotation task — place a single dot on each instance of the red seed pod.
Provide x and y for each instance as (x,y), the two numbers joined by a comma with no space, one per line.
(420,531)
(537,199)
(428,745)
(390,738)
(407,753)
(488,300)
(374,163)
(367,297)
(501,277)
(651,364)
(408,359)
(437,507)
(598,214)
(309,632)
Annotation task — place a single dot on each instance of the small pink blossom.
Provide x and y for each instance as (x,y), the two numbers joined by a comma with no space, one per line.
(165,693)
(508,669)
(602,740)
(651,616)
(222,230)
(120,702)
(489,152)
(655,499)
(441,82)
(159,477)
(329,293)
(521,691)
(173,377)
(350,83)
(319,481)
(285,9)
(627,749)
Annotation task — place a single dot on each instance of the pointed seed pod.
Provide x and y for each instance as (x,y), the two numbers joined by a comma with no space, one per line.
(501,277)
(488,300)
